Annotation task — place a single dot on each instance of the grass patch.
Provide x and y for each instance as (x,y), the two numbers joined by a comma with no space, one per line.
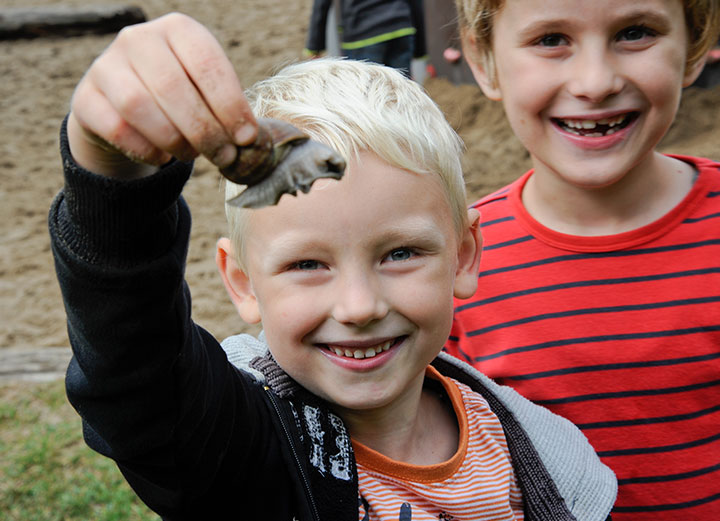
(47,473)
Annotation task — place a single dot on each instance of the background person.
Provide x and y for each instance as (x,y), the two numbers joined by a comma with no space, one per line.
(391,32)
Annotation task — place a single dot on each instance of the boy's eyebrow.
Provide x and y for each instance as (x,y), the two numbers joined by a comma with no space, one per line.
(633,15)
(416,230)
(542,26)
(651,17)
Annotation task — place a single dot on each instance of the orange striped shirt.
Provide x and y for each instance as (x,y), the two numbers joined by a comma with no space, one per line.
(477,483)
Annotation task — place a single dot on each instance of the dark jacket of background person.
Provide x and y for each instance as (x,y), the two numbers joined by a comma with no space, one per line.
(364,22)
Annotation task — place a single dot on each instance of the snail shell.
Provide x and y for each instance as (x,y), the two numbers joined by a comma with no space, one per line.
(282,160)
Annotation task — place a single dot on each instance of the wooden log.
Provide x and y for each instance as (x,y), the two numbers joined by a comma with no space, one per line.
(36,364)
(34,22)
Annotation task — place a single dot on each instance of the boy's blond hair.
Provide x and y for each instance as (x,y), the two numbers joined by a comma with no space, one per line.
(475,18)
(356,106)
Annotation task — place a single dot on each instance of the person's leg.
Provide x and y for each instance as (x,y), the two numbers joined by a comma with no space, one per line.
(373,53)
(399,53)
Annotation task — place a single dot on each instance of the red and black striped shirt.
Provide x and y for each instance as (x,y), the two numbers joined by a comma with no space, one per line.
(620,334)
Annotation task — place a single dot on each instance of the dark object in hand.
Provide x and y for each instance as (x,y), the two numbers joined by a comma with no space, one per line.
(282,160)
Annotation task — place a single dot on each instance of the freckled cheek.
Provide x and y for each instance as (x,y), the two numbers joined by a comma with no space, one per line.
(293,313)
(301,314)
(525,107)
(429,298)
(664,94)
(528,83)
(660,77)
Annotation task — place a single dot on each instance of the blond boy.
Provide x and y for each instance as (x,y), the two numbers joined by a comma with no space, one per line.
(342,409)
(599,293)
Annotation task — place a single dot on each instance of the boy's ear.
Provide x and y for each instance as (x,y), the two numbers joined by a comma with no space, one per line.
(469,252)
(236,282)
(477,67)
(692,73)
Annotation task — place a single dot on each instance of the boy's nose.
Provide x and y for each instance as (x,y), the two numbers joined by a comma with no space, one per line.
(358,301)
(593,75)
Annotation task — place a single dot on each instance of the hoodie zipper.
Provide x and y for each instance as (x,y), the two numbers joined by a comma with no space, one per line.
(306,483)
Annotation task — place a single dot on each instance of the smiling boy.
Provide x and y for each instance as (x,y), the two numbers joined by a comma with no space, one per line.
(601,83)
(342,409)
(352,303)
(599,285)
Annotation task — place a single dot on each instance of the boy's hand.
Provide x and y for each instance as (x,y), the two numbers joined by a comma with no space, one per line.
(161,89)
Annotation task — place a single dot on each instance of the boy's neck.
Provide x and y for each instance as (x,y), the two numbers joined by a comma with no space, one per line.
(642,196)
(425,433)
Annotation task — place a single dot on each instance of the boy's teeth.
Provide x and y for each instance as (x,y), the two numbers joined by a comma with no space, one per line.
(367,352)
(589,124)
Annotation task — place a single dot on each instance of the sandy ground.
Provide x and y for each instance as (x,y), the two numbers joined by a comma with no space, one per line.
(37,80)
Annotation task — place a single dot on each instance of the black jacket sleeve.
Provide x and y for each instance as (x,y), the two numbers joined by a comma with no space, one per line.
(318,22)
(155,391)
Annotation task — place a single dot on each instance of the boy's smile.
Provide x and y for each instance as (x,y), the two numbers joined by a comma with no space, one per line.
(355,282)
(594,133)
(358,350)
(589,87)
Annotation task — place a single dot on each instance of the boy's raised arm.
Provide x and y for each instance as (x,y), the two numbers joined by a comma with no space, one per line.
(162,89)
(155,391)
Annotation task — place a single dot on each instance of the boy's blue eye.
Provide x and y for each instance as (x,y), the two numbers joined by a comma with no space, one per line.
(305,265)
(552,40)
(635,32)
(400,254)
